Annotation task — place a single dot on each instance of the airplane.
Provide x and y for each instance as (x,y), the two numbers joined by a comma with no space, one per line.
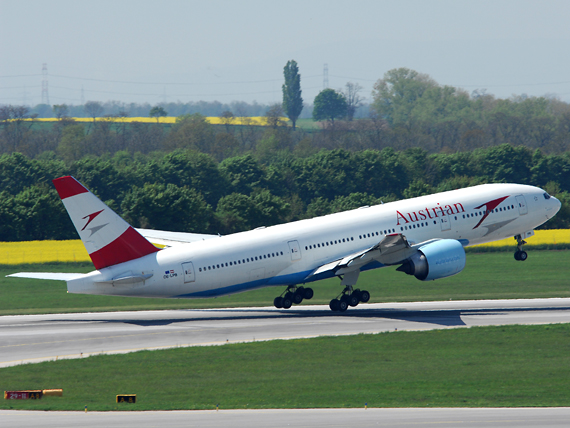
(425,236)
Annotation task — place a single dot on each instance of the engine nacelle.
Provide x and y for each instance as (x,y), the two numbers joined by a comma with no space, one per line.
(436,260)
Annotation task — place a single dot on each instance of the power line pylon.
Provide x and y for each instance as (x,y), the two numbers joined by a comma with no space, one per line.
(326,76)
(45,94)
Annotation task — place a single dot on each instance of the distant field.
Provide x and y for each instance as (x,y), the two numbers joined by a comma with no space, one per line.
(486,276)
(256,120)
(477,367)
(73,250)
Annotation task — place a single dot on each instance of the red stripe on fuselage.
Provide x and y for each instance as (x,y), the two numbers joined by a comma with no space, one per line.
(129,246)
(68,186)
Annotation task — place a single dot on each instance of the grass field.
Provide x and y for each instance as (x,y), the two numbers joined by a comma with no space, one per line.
(486,276)
(475,367)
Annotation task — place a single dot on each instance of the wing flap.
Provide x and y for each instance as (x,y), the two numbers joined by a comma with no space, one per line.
(392,249)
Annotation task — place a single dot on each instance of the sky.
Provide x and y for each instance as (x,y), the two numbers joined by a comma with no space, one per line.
(189,51)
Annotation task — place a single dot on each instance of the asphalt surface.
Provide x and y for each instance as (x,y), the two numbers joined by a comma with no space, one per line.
(34,338)
(401,418)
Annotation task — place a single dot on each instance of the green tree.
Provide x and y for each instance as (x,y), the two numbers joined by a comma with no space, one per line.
(72,145)
(234,211)
(292,100)
(167,207)
(157,112)
(191,131)
(243,173)
(61,111)
(188,168)
(395,95)
(329,105)
(353,99)
(93,109)
(40,215)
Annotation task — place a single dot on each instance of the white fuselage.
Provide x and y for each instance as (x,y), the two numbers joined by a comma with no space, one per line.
(287,254)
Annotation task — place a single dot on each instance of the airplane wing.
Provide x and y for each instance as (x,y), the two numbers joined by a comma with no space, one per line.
(47,275)
(392,249)
(169,239)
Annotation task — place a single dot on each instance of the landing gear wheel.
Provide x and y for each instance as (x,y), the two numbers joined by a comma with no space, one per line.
(353,300)
(523,256)
(308,293)
(364,296)
(278,302)
(334,305)
(286,302)
(298,296)
(342,305)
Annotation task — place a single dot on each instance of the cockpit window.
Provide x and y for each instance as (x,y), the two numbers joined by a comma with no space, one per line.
(546,195)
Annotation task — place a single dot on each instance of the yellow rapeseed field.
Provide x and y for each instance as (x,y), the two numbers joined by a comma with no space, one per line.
(541,237)
(12,253)
(70,251)
(257,120)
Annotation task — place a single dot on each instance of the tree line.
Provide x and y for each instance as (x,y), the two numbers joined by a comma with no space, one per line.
(408,110)
(186,190)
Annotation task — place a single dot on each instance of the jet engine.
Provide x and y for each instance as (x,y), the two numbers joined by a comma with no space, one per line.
(435,260)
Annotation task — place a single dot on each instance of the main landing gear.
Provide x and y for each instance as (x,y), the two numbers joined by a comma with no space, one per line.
(349,297)
(293,295)
(520,255)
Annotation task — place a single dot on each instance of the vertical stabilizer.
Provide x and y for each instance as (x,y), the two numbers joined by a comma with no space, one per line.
(109,239)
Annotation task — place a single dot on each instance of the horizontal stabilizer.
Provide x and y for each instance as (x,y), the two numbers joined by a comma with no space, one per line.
(47,275)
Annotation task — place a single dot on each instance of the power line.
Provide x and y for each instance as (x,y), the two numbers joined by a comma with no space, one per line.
(20,75)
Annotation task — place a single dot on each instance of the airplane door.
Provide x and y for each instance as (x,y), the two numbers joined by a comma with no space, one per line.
(295,250)
(445,223)
(521,201)
(188,269)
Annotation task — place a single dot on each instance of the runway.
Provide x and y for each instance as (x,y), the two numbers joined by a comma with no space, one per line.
(401,418)
(35,338)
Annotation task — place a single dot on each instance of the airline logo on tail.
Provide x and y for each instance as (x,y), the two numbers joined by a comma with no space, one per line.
(91,217)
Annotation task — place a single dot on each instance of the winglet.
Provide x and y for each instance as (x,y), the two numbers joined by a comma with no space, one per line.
(109,239)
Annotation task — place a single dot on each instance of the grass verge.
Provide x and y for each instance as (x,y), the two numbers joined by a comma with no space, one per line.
(486,276)
(475,367)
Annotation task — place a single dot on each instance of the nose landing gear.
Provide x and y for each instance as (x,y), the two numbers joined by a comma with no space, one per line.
(292,295)
(520,255)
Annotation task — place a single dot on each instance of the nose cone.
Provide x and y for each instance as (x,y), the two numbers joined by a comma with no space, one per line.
(555,205)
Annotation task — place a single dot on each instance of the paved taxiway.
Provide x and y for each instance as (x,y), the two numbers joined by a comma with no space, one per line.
(34,338)
(401,418)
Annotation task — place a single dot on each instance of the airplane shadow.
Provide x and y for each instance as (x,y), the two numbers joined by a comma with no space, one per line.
(449,318)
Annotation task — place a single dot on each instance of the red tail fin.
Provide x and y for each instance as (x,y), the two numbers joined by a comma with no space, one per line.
(109,239)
